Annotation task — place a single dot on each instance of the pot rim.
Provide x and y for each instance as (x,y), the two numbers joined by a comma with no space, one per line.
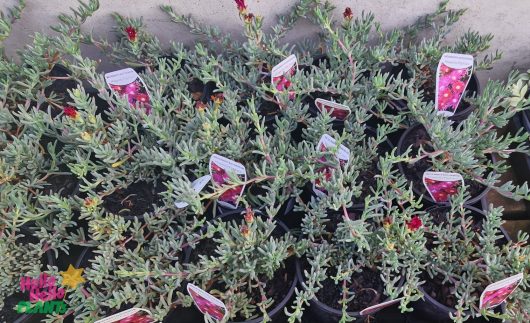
(326,307)
(427,197)
(431,299)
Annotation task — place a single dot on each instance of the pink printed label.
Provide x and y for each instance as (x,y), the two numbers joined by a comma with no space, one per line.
(452,77)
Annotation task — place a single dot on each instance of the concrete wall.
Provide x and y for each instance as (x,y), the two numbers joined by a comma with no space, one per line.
(509,21)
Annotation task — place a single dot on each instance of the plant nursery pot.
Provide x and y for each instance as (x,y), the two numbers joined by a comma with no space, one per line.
(414,173)
(276,312)
(8,312)
(464,108)
(429,306)
(521,121)
(323,313)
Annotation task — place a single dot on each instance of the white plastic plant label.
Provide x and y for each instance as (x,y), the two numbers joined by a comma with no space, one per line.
(376,308)
(281,74)
(327,143)
(197,186)
(336,110)
(132,315)
(206,303)
(442,185)
(127,83)
(498,292)
(452,76)
(220,168)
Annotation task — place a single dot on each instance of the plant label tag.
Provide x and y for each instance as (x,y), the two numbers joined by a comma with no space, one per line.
(132,315)
(197,186)
(220,168)
(441,185)
(376,308)
(206,303)
(327,143)
(498,292)
(127,83)
(452,76)
(336,110)
(281,74)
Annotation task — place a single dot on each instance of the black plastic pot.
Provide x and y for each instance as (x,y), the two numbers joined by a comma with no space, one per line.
(401,149)
(521,121)
(464,108)
(275,313)
(46,260)
(438,312)
(323,313)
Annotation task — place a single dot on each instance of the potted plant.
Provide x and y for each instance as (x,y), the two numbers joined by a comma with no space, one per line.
(468,148)
(468,250)
(246,260)
(361,258)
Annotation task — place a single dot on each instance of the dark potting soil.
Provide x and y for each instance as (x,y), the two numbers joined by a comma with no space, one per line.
(137,199)
(336,217)
(268,108)
(366,285)
(443,293)
(64,185)
(414,172)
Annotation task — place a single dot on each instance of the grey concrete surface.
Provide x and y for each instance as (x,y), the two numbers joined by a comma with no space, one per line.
(509,21)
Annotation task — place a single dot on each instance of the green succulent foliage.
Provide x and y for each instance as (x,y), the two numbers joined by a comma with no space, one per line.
(104,147)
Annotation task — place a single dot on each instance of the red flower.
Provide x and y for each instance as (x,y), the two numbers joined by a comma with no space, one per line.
(249,17)
(414,223)
(241,6)
(131,33)
(70,112)
(348,14)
